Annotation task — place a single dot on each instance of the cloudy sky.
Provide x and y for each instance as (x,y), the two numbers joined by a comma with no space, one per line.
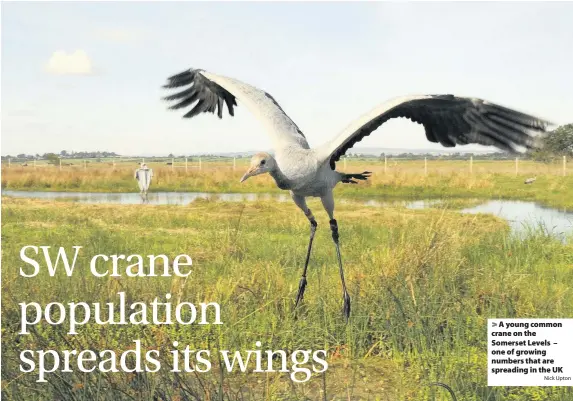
(87,76)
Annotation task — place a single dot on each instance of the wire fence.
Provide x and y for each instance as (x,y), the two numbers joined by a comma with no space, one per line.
(383,164)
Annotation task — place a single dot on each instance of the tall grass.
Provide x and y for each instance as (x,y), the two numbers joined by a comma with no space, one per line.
(423,284)
(405,179)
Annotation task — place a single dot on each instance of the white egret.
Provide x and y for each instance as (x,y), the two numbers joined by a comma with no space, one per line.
(143,175)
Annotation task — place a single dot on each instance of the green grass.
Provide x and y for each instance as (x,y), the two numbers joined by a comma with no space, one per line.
(423,284)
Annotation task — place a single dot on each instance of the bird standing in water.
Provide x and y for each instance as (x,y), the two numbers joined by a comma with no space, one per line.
(143,175)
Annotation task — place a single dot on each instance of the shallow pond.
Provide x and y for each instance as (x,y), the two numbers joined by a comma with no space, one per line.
(521,215)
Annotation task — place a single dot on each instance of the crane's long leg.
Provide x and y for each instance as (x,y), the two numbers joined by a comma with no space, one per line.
(328,203)
(300,202)
(302,283)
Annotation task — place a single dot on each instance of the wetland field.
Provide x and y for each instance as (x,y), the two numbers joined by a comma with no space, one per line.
(396,179)
(423,281)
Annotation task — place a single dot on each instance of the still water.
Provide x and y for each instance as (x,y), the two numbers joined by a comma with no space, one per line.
(521,215)
(153,198)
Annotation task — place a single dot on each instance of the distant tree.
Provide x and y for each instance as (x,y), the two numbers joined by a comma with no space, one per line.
(52,158)
(558,143)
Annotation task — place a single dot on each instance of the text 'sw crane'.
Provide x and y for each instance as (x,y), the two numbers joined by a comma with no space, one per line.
(447,119)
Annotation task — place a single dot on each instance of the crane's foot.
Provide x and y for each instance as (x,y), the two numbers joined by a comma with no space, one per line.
(301,288)
(346,306)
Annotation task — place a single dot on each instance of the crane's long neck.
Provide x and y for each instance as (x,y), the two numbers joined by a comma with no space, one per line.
(279,178)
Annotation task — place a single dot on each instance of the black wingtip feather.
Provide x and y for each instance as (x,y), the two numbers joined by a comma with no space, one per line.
(180,79)
(209,96)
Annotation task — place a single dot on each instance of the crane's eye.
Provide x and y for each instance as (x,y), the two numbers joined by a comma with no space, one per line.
(263,162)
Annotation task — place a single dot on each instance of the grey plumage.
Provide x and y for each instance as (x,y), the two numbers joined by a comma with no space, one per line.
(447,119)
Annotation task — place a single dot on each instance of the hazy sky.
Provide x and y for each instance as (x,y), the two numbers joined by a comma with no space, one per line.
(87,76)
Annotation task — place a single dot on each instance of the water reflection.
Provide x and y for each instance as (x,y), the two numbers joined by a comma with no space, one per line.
(523,216)
(152,198)
(520,215)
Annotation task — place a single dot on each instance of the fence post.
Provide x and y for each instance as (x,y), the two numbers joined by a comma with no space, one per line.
(172,163)
(200,166)
(85,164)
(385,164)
(345,157)
(471,164)
(234,163)
(185,164)
(142,160)
(34,164)
(9,162)
(564,166)
(516,166)
(60,164)
(425,166)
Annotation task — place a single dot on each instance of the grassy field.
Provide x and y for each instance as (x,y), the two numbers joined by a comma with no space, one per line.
(423,283)
(399,179)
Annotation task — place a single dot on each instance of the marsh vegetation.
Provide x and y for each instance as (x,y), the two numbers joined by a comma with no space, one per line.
(423,283)
(398,179)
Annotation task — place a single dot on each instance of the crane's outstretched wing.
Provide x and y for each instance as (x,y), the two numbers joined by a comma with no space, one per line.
(448,120)
(212,91)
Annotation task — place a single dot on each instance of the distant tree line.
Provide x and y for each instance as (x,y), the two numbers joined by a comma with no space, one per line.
(450,156)
(62,155)
(557,144)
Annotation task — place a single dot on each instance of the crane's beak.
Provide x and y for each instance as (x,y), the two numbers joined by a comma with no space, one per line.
(250,172)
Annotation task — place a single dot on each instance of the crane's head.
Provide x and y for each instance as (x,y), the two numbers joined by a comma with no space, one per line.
(260,163)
